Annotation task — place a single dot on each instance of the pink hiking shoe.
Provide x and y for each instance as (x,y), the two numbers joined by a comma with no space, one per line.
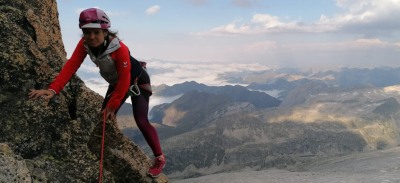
(156,169)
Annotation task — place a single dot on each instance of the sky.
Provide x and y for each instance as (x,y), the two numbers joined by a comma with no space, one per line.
(199,39)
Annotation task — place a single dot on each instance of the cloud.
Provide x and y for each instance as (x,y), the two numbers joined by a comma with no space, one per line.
(206,73)
(174,73)
(99,85)
(339,46)
(265,23)
(152,10)
(370,43)
(356,45)
(231,28)
(88,67)
(259,24)
(370,17)
(365,17)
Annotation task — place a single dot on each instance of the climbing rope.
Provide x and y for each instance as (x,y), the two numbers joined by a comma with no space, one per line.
(102,148)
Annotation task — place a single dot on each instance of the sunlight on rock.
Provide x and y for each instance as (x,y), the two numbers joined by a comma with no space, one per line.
(172,115)
(311,114)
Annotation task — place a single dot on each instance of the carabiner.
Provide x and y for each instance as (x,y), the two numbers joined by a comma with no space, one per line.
(134,90)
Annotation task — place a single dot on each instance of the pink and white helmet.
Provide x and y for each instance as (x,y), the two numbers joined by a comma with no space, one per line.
(94,18)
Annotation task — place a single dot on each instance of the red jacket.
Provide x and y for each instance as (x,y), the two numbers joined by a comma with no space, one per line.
(114,64)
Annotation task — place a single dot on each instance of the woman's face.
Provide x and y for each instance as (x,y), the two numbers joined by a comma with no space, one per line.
(94,37)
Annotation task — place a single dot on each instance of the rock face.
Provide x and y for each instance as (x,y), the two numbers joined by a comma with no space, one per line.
(57,140)
(12,168)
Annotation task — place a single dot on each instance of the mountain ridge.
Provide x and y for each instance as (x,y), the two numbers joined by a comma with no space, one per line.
(324,124)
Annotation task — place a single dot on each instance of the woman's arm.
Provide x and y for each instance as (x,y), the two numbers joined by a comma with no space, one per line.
(70,68)
(123,65)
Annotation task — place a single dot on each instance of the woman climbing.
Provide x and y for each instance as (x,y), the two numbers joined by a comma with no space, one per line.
(119,69)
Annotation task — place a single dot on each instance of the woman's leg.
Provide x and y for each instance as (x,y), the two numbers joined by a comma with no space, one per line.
(140,106)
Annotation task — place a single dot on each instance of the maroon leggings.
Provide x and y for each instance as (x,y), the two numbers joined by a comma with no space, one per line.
(140,107)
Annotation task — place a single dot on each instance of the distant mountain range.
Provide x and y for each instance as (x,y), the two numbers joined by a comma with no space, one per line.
(212,129)
(200,105)
(347,78)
